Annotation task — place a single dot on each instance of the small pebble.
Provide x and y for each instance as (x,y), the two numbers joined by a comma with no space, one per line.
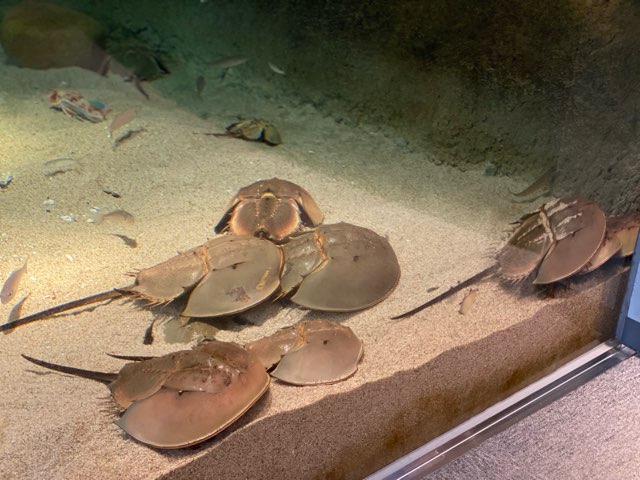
(7,180)
(69,218)
(490,169)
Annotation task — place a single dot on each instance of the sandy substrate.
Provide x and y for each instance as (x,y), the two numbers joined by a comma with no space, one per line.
(418,377)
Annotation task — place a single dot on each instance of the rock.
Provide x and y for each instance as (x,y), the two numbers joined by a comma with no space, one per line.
(42,35)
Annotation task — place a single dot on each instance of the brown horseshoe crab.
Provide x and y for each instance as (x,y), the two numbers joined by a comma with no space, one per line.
(227,274)
(186,397)
(563,238)
(253,129)
(340,267)
(555,243)
(182,398)
(310,353)
(272,209)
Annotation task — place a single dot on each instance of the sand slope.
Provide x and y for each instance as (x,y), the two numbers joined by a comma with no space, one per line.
(442,223)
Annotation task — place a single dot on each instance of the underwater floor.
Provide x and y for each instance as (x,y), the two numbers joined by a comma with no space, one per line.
(418,377)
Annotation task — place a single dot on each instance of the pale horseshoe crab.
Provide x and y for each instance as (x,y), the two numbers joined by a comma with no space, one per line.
(189,396)
(339,267)
(564,237)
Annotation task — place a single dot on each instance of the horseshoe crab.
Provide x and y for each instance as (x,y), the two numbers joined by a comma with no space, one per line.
(182,398)
(564,237)
(253,129)
(339,267)
(272,209)
(557,241)
(310,353)
(186,397)
(227,274)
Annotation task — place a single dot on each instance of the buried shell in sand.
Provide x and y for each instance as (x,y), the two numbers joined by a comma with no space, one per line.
(186,397)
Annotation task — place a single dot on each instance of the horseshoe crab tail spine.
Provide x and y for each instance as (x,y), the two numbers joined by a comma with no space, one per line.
(81,302)
(462,285)
(102,377)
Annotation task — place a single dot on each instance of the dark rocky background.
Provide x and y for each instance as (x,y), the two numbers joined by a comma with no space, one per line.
(511,86)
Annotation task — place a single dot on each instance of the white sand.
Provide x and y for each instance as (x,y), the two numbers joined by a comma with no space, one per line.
(441,222)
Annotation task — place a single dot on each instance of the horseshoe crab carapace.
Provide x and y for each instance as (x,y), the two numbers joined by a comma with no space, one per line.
(555,243)
(339,267)
(228,274)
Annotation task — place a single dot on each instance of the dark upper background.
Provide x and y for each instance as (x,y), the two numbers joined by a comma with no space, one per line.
(511,85)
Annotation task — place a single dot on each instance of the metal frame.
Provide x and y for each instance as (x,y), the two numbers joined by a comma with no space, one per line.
(628,329)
